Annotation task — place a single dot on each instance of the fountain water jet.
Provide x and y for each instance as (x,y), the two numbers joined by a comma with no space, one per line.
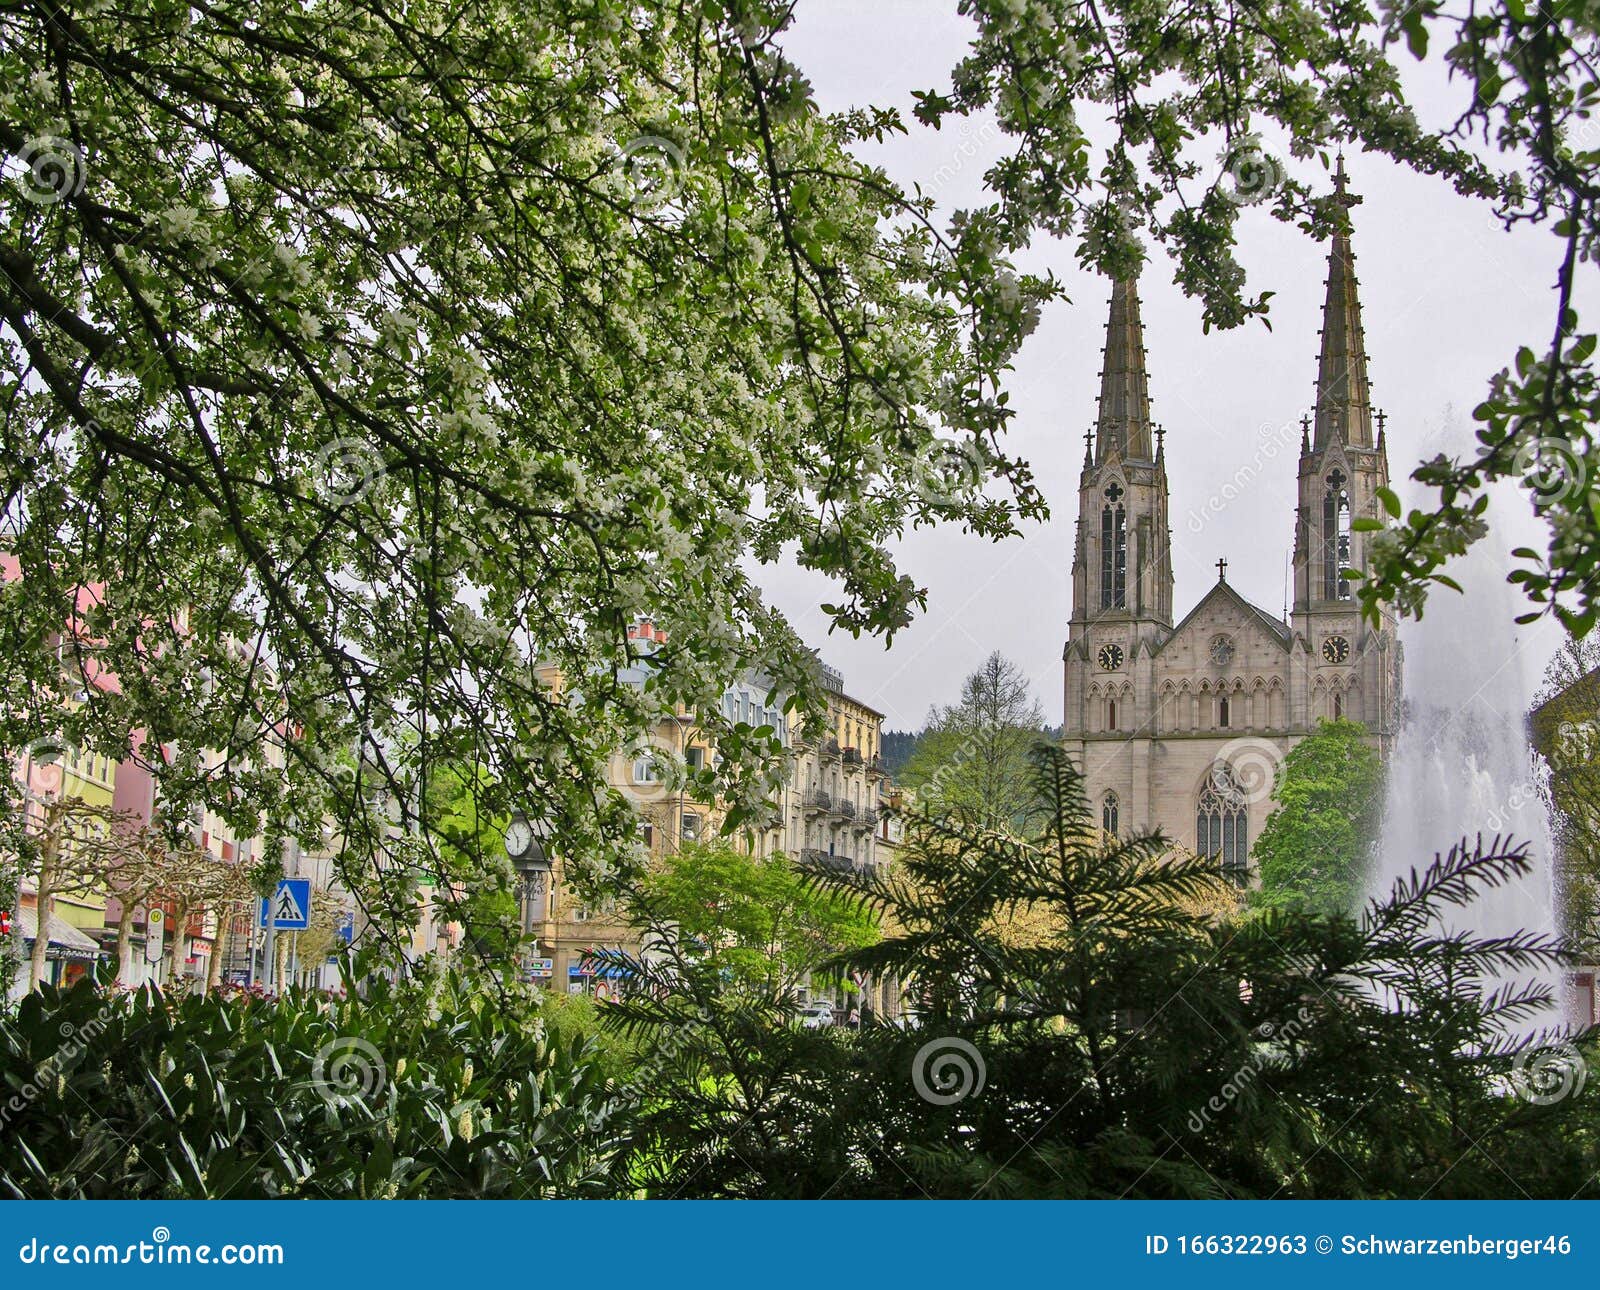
(1462,765)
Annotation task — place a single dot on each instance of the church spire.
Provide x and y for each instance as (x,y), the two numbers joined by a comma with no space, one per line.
(1344,405)
(1124,423)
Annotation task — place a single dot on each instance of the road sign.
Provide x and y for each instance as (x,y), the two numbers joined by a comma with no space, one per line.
(347,928)
(536,969)
(155,924)
(289,908)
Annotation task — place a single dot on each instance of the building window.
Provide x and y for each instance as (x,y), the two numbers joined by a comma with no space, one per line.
(1113,551)
(1108,814)
(691,826)
(645,770)
(1335,539)
(647,833)
(1111,714)
(1221,826)
(695,757)
(1338,707)
(1222,713)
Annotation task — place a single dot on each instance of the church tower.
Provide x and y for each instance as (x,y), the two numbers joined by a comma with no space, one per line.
(1181,726)
(1350,669)
(1122,571)
(1122,562)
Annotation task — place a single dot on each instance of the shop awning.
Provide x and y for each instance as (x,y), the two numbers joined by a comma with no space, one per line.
(66,941)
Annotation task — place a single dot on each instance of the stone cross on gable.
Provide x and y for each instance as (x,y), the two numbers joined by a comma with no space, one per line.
(1222,570)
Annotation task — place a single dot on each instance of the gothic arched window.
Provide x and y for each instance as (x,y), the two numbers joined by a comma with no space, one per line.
(1222,713)
(1335,538)
(1113,551)
(1221,826)
(1108,814)
(1111,714)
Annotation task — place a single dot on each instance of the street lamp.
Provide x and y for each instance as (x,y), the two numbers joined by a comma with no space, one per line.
(525,846)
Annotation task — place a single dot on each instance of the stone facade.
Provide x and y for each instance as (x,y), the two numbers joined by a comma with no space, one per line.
(1181,726)
(826,810)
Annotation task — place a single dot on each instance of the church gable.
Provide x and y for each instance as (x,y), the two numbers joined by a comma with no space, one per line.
(1226,667)
(1225,633)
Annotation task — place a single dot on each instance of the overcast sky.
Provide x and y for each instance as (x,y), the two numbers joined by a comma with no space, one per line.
(1447,297)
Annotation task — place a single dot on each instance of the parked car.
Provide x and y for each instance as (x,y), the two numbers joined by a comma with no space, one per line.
(817,1014)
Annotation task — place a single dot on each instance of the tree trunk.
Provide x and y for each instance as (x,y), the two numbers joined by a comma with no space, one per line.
(280,947)
(218,947)
(125,942)
(42,901)
(180,922)
(41,937)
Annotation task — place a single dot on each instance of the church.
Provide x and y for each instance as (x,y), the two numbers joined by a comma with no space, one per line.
(1180,726)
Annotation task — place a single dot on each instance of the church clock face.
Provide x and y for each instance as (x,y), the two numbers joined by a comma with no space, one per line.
(1111,657)
(1222,650)
(1335,649)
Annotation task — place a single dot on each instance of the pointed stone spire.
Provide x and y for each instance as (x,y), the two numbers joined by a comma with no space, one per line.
(1124,423)
(1344,404)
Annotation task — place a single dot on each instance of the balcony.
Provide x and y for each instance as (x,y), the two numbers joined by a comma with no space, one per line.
(845,808)
(830,748)
(853,757)
(875,765)
(818,859)
(818,801)
(869,817)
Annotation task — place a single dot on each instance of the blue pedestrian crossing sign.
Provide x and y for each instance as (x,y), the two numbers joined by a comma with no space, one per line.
(288,909)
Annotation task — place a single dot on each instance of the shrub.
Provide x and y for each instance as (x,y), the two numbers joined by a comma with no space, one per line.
(415,1090)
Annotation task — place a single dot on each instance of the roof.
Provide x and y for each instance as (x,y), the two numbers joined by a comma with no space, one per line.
(1276,628)
(1123,423)
(865,707)
(1344,404)
(66,941)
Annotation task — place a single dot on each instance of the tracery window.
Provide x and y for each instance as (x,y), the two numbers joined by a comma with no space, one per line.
(1113,551)
(1335,539)
(1221,824)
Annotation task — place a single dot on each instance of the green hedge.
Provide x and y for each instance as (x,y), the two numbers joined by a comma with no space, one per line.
(438,1090)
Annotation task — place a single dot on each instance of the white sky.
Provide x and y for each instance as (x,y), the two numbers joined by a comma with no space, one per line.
(1447,297)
